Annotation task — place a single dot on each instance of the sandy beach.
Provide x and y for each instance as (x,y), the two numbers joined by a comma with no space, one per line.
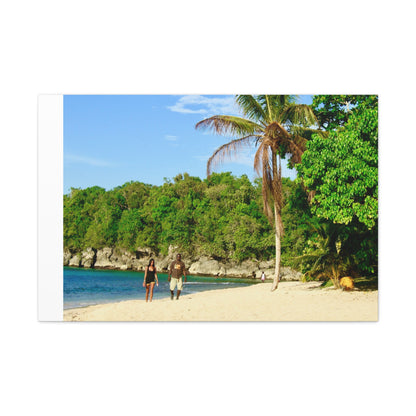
(293,301)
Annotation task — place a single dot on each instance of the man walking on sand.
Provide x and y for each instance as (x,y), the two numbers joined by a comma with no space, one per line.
(176,270)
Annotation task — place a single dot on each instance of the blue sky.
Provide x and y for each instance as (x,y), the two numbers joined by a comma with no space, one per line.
(113,139)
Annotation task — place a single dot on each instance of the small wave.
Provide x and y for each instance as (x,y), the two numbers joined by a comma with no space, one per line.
(207,283)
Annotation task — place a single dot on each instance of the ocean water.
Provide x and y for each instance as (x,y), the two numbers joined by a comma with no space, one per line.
(84,287)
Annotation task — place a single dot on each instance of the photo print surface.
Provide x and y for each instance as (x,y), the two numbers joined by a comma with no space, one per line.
(220,208)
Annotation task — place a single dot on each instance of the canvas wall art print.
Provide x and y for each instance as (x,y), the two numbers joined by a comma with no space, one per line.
(169,208)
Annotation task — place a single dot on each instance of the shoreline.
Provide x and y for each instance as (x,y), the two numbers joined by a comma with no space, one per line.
(166,271)
(292,301)
(167,296)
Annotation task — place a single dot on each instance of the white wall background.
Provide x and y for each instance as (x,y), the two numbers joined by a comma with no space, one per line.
(126,47)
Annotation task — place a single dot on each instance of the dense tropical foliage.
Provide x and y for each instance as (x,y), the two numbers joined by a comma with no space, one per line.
(341,173)
(220,217)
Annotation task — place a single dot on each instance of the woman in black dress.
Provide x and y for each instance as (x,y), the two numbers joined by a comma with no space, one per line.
(149,279)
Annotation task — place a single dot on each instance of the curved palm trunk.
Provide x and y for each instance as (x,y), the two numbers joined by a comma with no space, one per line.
(278,247)
(277,205)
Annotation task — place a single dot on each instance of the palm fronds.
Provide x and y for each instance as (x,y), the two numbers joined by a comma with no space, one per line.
(266,166)
(296,147)
(328,258)
(299,114)
(277,132)
(251,108)
(228,150)
(307,132)
(230,126)
(263,167)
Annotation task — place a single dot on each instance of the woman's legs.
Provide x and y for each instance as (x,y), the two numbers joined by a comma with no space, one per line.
(152,285)
(147,292)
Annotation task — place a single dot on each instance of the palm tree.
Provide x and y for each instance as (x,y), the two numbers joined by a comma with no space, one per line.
(279,127)
(329,258)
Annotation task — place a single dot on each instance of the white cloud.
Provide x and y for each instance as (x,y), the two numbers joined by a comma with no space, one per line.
(70,158)
(200,104)
(170,138)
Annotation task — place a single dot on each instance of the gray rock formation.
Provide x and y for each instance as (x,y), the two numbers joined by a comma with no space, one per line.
(88,258)
(288,274)
(75,261)
(207,266)
(243,269)
(67,257)
(162,263)
(103,259)
(114,258)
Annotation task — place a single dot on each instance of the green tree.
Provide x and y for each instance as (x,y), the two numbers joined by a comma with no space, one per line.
(103,229)
(134,193)
(342,170)
(220,216)
(279,127)
(333,111)
(341,173)
(80,206)
(128,229)
(297,217)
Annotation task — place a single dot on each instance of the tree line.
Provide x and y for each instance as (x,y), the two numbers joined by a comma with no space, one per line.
(220,217)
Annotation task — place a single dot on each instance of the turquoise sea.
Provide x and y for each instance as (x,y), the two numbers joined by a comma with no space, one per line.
(84,287)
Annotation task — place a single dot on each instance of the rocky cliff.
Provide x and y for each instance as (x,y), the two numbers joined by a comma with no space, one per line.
(118,259)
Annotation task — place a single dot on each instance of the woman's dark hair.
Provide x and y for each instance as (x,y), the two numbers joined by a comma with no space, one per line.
(150,262)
